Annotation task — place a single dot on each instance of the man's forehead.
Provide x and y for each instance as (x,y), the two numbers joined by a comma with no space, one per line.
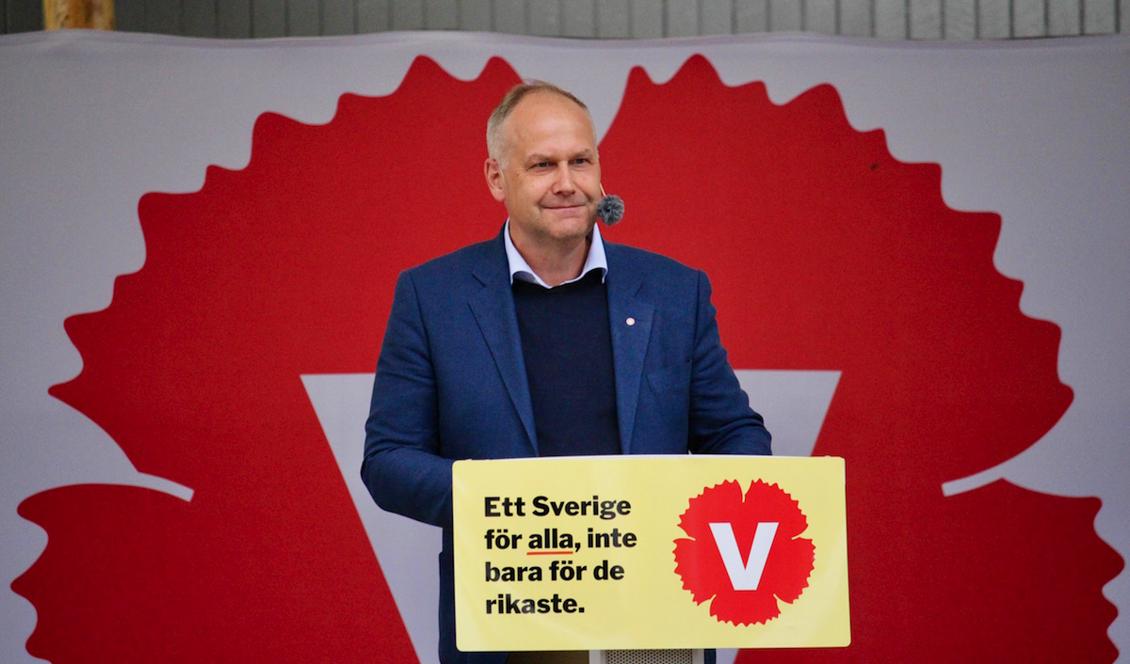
(542,107)
(550,118)
(548,97)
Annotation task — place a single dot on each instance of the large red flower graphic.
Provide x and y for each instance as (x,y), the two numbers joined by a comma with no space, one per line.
(281,269)
(720,518)
(825,253)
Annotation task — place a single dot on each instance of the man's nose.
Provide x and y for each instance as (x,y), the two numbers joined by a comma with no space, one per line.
(563,180)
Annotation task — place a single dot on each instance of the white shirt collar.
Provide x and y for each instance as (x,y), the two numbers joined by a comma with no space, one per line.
(520,269)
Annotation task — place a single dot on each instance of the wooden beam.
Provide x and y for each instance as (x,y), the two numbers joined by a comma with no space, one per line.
(89,14)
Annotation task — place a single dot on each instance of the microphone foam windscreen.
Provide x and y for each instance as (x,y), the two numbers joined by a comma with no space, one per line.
(610,209)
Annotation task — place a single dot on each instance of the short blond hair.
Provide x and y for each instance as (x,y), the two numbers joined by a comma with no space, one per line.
(510,101)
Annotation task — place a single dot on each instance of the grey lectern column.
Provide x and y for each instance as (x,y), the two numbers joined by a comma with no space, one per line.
(646,656)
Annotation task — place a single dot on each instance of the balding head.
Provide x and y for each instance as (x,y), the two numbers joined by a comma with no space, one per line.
(496,136)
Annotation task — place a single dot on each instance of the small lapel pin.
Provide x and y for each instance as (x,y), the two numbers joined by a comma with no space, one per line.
(631,321)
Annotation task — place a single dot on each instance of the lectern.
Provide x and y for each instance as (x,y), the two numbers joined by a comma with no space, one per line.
(648,559)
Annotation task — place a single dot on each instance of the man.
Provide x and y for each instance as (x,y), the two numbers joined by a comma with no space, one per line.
(544,341)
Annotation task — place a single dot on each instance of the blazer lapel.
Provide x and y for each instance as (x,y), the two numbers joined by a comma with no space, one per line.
(493,307)
(631,320)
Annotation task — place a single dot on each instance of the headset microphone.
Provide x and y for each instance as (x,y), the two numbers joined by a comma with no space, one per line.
(610,208)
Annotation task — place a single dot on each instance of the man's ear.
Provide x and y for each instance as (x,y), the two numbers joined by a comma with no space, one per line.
(493,173)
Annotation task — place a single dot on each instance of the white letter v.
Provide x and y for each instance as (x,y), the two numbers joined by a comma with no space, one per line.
(744,575)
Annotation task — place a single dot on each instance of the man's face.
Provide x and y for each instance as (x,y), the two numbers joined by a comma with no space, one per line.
(548,174)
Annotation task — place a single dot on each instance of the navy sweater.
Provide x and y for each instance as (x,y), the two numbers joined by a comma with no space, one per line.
(567,346)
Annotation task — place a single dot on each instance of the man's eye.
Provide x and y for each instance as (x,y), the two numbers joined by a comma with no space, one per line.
(579,161)
(541,165)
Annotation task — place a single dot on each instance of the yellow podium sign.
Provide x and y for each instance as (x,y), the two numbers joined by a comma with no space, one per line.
(584,553)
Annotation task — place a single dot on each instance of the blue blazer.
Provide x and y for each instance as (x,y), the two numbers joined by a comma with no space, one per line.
(451,383)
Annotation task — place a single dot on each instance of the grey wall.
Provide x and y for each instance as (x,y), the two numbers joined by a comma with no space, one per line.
(885,19)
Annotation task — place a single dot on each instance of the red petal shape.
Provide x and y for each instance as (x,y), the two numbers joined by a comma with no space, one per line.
(767,502)
(699,570)
(718,499)
(786,574)
(283,268)
(745,608)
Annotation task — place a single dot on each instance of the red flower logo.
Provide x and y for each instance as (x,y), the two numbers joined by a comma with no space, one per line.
(745,553)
